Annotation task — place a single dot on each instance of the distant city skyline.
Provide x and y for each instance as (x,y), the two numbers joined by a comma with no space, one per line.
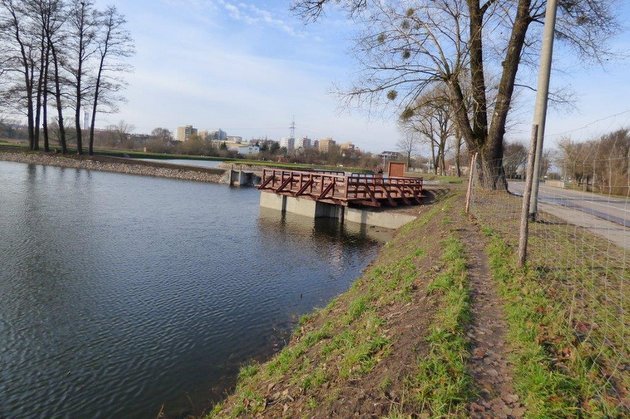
(250,67)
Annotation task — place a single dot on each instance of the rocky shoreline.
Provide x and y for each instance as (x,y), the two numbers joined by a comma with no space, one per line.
(119,165)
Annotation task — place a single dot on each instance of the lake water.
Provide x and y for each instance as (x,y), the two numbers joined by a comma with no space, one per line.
(120,294)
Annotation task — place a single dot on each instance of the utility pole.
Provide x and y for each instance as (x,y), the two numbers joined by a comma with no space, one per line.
(523,236)
(540,112)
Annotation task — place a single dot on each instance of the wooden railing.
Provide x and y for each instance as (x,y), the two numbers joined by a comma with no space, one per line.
(360,189)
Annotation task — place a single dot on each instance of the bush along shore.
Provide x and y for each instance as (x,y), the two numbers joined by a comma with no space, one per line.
(118,165)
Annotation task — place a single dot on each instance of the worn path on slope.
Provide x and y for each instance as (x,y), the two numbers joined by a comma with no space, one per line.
(488,365)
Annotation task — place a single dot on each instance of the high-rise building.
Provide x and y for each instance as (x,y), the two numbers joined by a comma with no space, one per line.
(326,145)
(303,143)
(346,146)
(288,142)
(184,133)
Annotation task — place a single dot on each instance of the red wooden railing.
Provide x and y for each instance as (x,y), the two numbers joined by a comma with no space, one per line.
(343,189)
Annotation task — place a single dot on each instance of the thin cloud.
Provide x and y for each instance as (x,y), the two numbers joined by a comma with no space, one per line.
(253,15)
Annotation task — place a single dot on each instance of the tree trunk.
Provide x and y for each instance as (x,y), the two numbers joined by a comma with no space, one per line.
(27,70)
(29,111)
(79,76)
(458,154)
(62,130)
(39,93)
(45,102)
(479,109)
(492,155)
(473,124)
(433,159)
(490,171)
(96,97)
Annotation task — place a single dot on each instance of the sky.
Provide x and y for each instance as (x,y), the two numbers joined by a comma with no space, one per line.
(251,67)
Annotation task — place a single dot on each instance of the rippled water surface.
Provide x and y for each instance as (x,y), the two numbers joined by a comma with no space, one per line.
(119,294)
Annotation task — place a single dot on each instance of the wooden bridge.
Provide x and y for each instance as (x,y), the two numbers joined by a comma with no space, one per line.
(342,189)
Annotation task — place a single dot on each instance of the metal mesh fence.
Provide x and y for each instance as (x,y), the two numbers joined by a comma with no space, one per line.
(578,259)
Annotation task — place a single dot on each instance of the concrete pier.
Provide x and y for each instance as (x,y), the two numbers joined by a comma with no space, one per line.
(315,209)
(243,178)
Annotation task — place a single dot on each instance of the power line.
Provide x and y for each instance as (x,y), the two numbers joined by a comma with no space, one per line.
(590,123)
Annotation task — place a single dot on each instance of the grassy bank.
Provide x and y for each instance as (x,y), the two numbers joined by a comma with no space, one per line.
(394,344)
(567,314)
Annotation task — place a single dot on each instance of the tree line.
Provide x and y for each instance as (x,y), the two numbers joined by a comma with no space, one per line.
(600,165)
(64,57)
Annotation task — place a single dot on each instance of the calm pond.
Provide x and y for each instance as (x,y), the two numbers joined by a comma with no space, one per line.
(120,294)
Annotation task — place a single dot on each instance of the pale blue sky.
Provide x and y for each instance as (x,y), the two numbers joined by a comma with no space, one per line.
(249,66)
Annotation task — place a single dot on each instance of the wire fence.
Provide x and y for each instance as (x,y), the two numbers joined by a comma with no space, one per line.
(578,259)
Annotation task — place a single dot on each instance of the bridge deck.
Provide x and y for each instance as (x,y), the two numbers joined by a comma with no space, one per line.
(341,189)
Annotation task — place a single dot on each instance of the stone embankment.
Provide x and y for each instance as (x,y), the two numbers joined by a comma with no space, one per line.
(119,165)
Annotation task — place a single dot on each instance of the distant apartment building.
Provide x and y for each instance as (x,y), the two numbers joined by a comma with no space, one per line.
(246,150)
(390,155)
(235,139)
(346,146)
(326,145)
(218,135)
(303,143)
(184,133)
(288,143)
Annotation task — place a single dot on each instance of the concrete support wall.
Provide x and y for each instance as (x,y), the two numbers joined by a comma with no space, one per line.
(301,206)
(312,209)
(242,178)
(323,210)
(378,219)
(273,201)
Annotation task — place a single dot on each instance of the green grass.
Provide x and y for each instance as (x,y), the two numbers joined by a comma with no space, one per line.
(538,333)
(345,340)
(442,386)
(567,312)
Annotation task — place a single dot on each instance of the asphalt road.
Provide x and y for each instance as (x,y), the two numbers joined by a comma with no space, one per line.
(614,209)
(608,217)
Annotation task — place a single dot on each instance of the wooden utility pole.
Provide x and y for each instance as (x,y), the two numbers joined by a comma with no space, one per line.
(471,174)
(524,230)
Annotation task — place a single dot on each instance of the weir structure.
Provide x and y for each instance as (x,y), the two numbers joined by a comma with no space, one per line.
(339,195)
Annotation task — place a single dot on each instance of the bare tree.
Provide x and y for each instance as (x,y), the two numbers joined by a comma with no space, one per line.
(114,44)
(514,160)
(20,47)
(121,131)
(408,143)
(163,134)
(55,39)
(458,142)
(82,21)
(409,47)
(431,117)
(601,164)
(41,12)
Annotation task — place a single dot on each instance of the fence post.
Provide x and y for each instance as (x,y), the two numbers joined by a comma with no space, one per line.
(527,193)
(471,173)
